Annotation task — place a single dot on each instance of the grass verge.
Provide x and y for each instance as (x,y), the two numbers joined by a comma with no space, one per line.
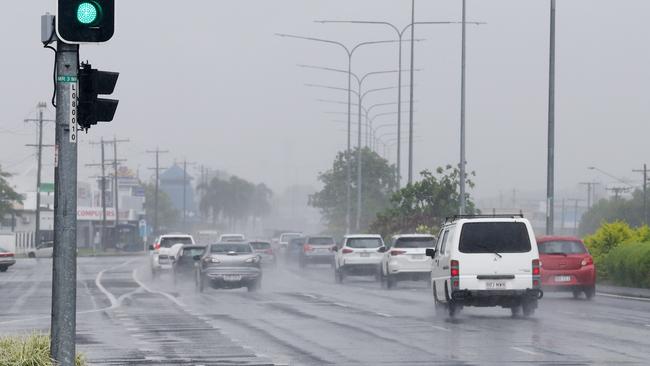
(29,350)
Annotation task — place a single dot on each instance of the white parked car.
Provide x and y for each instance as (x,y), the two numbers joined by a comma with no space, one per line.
(166,249)
(407,260)
(44,250)
(224,238)
(486,261)
(359,255)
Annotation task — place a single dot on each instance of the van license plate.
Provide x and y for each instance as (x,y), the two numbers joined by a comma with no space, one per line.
(495,285)
(232,278)
(365,254)
(562,278)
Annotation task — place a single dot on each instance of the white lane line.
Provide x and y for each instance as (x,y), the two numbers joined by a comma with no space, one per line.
(526,351)
(647,325)
(441,328)
(384,315)
(110,296)
(170,297)
(623,297)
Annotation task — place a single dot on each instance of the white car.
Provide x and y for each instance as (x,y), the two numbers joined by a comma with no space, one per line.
(166,249)
(285,238)
(406,259)
(486,261)
(224,238)
(359,255)
(44,250)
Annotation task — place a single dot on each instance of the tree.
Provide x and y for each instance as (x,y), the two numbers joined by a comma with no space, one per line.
(8,197)
(378,184)
(423,205)
(629,211)
(167,214)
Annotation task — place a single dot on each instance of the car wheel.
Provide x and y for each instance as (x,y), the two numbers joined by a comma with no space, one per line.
(3,269)
(200,282)
(391,281)
(453,309)
(590,292)
(31,255)
(515,311)
(576,294)
(254,286)
(528,307)
(338,275)
(378,274)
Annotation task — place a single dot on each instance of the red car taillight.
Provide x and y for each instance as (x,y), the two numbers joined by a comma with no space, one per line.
(6,254)
(397,252)
(307,248)
(537,265)
(156,246)
(347,251)
(269,251)
(587,261)
(454,271)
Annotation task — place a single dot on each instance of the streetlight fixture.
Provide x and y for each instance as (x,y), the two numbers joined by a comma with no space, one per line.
(350,52)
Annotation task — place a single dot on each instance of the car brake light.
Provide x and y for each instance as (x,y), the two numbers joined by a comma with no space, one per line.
(307,248)
(536,267)
(587,261)
(397,252)
(455,268)
(269,251)
(347,251)
(156,246)
(6,254)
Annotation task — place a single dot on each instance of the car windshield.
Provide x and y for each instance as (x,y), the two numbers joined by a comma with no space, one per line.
(494,237)
(324,240)
(421,242)
(297,241)
(3,250)
(285,238)
(562,247)
(227,248)
(363,243)
(168,242)
(260,245)
(191,252)
(232,238)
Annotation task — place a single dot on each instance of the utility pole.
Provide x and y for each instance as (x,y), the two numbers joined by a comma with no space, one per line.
(157,183)
(462,173)
(617,191)
(39,164)
(645,192)
(550,175)
(185,163)
(575,214)
(412,74)
(64,254)
(591,186)
(116,183)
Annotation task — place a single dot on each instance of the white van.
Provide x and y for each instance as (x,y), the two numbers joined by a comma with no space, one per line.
(486,261)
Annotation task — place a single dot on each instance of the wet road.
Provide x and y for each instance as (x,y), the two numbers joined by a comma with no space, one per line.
(301,317)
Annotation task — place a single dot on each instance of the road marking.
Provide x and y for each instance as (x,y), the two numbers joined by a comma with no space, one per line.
(526,351)
(624,297)
(440,328)
(384,315)
(170,297)
(647,325)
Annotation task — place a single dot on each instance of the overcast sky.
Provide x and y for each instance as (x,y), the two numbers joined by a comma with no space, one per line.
(208,81)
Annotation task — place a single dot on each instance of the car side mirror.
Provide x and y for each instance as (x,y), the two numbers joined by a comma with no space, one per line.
(335,248)
(382,250)
(430,252)
(197,257)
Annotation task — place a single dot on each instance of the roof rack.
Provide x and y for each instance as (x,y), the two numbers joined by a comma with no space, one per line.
(484,216)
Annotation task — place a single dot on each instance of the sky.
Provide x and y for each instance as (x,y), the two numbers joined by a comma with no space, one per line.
(212,83)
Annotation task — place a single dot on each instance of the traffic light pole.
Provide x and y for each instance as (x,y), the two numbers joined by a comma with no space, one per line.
(64,265)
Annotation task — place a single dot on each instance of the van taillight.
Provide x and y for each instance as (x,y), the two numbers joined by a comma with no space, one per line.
(347,251)
(455,268)
(156,246)
(536,273)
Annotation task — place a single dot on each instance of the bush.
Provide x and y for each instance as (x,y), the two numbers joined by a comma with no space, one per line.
(30,350)
(629,265)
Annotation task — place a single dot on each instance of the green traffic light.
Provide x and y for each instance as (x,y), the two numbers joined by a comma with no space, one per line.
(87,13)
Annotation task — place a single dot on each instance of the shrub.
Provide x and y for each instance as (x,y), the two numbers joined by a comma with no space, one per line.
(29,350)
(629,265)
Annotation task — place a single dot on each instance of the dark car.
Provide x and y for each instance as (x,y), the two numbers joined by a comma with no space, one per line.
(229,265)
(567,265)
(6,259)
(295,248)
(184,266)
(317,249)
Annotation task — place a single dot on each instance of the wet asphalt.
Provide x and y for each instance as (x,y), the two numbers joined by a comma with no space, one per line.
(302,317)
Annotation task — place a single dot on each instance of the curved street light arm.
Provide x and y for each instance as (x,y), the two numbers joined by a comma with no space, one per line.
(330,87)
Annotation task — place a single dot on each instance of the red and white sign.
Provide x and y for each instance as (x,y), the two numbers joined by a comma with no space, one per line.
(94,214)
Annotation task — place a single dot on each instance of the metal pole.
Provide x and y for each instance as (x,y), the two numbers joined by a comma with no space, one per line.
(359,166)
(116,186)
(155,200)
(37,239)
(64,262)
(550,177)
(184,193)
(348,152)
(410,180)
(462,174)
(399,114)
(103,199)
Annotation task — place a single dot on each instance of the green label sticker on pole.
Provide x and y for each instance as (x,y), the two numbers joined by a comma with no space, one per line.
(66,79)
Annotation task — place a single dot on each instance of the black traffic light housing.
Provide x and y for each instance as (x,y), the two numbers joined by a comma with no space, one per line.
(81,21)
(90,108)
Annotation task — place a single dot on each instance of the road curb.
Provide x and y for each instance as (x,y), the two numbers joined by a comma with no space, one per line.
(624,291)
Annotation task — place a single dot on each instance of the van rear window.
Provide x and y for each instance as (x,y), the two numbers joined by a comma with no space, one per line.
(494,237)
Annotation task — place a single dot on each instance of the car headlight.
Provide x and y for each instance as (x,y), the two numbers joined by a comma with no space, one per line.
(252,260)
(212,260)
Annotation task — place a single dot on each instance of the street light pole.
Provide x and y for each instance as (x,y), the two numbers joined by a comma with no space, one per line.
(462,174)
(550,176)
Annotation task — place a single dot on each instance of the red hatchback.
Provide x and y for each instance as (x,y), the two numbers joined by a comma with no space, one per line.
(567,265)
